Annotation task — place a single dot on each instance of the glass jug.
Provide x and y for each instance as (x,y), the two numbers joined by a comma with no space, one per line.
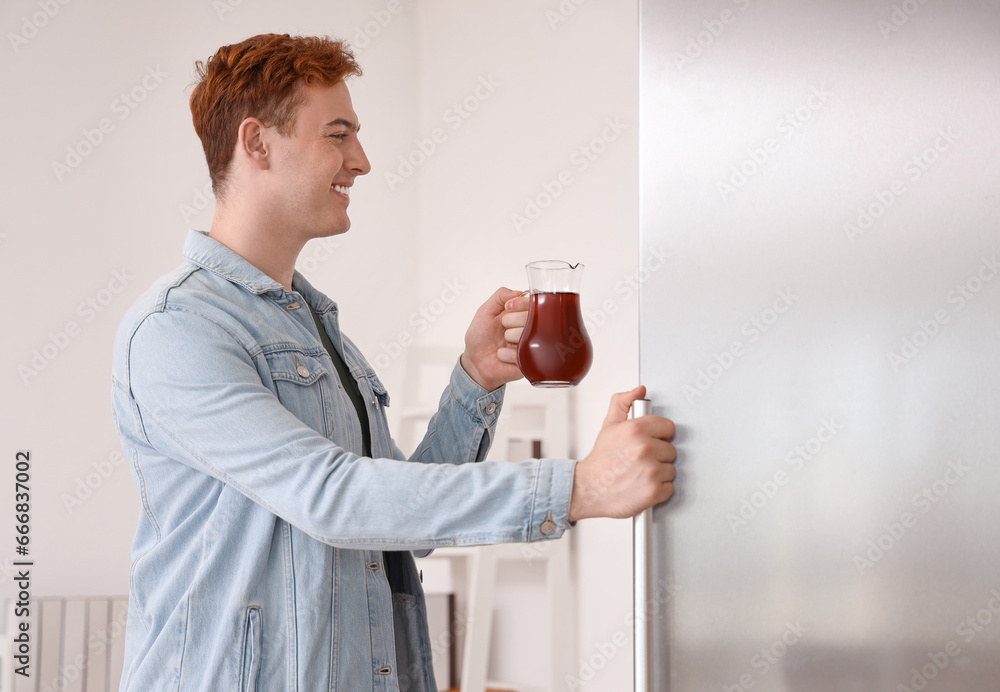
(554,350)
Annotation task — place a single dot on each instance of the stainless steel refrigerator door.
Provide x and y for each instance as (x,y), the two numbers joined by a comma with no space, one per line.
(826,335)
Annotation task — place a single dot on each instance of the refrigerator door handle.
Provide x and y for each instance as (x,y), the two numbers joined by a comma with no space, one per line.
(641,525)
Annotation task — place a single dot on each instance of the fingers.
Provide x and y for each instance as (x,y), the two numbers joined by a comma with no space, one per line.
(621,403)
(502,296)
(513,336)
(668,472)
(656,426)
(496,303)
(507,354)
(512,319)
(663,451)
(518,303)
(506,294)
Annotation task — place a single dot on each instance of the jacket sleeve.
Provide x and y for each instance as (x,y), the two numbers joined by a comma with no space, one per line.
(197,395)
(462,428)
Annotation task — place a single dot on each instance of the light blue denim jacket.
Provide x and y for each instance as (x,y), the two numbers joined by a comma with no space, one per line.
(261,561)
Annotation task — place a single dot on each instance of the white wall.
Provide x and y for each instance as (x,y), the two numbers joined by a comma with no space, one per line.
(121,209)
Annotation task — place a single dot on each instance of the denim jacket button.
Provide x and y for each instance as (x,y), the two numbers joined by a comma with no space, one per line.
(301,369)
(490,408)
(548,526)
(293,306)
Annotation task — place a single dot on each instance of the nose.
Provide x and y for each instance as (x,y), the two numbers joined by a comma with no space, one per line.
(356,160)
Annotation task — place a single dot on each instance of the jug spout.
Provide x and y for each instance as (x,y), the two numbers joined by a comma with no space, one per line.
(554,276)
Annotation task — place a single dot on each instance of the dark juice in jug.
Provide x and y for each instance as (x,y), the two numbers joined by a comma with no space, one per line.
(554,350)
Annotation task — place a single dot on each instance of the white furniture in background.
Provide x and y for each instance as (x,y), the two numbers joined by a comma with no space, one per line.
(528,414)
(440,572)
(77,644)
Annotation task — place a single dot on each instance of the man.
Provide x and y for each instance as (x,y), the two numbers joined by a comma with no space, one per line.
(278,516)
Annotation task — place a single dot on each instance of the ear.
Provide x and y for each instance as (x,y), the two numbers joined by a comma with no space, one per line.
(253,143)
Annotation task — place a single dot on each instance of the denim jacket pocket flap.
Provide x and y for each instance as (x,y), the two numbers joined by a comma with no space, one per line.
(295,367)
(381,393)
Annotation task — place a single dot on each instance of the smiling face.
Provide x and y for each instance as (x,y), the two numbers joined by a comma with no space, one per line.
(312,168)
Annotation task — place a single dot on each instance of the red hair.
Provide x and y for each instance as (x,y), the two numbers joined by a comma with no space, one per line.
(259,78)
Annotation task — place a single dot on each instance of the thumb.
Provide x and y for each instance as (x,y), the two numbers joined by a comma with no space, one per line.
(502,295)
(621,403)
(497,302)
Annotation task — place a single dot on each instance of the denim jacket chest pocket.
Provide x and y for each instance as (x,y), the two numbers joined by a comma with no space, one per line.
(302,383)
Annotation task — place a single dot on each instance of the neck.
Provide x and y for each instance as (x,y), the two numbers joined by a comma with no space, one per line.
(263,242)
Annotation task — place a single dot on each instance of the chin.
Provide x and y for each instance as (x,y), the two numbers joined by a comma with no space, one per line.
(331,231)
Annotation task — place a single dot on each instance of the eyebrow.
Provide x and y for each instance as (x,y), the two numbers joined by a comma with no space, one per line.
(346,123)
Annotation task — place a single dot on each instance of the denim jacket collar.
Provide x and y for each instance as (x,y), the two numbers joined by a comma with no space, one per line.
(213,256)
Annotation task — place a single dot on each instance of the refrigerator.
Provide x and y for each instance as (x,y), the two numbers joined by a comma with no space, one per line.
(825,333)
